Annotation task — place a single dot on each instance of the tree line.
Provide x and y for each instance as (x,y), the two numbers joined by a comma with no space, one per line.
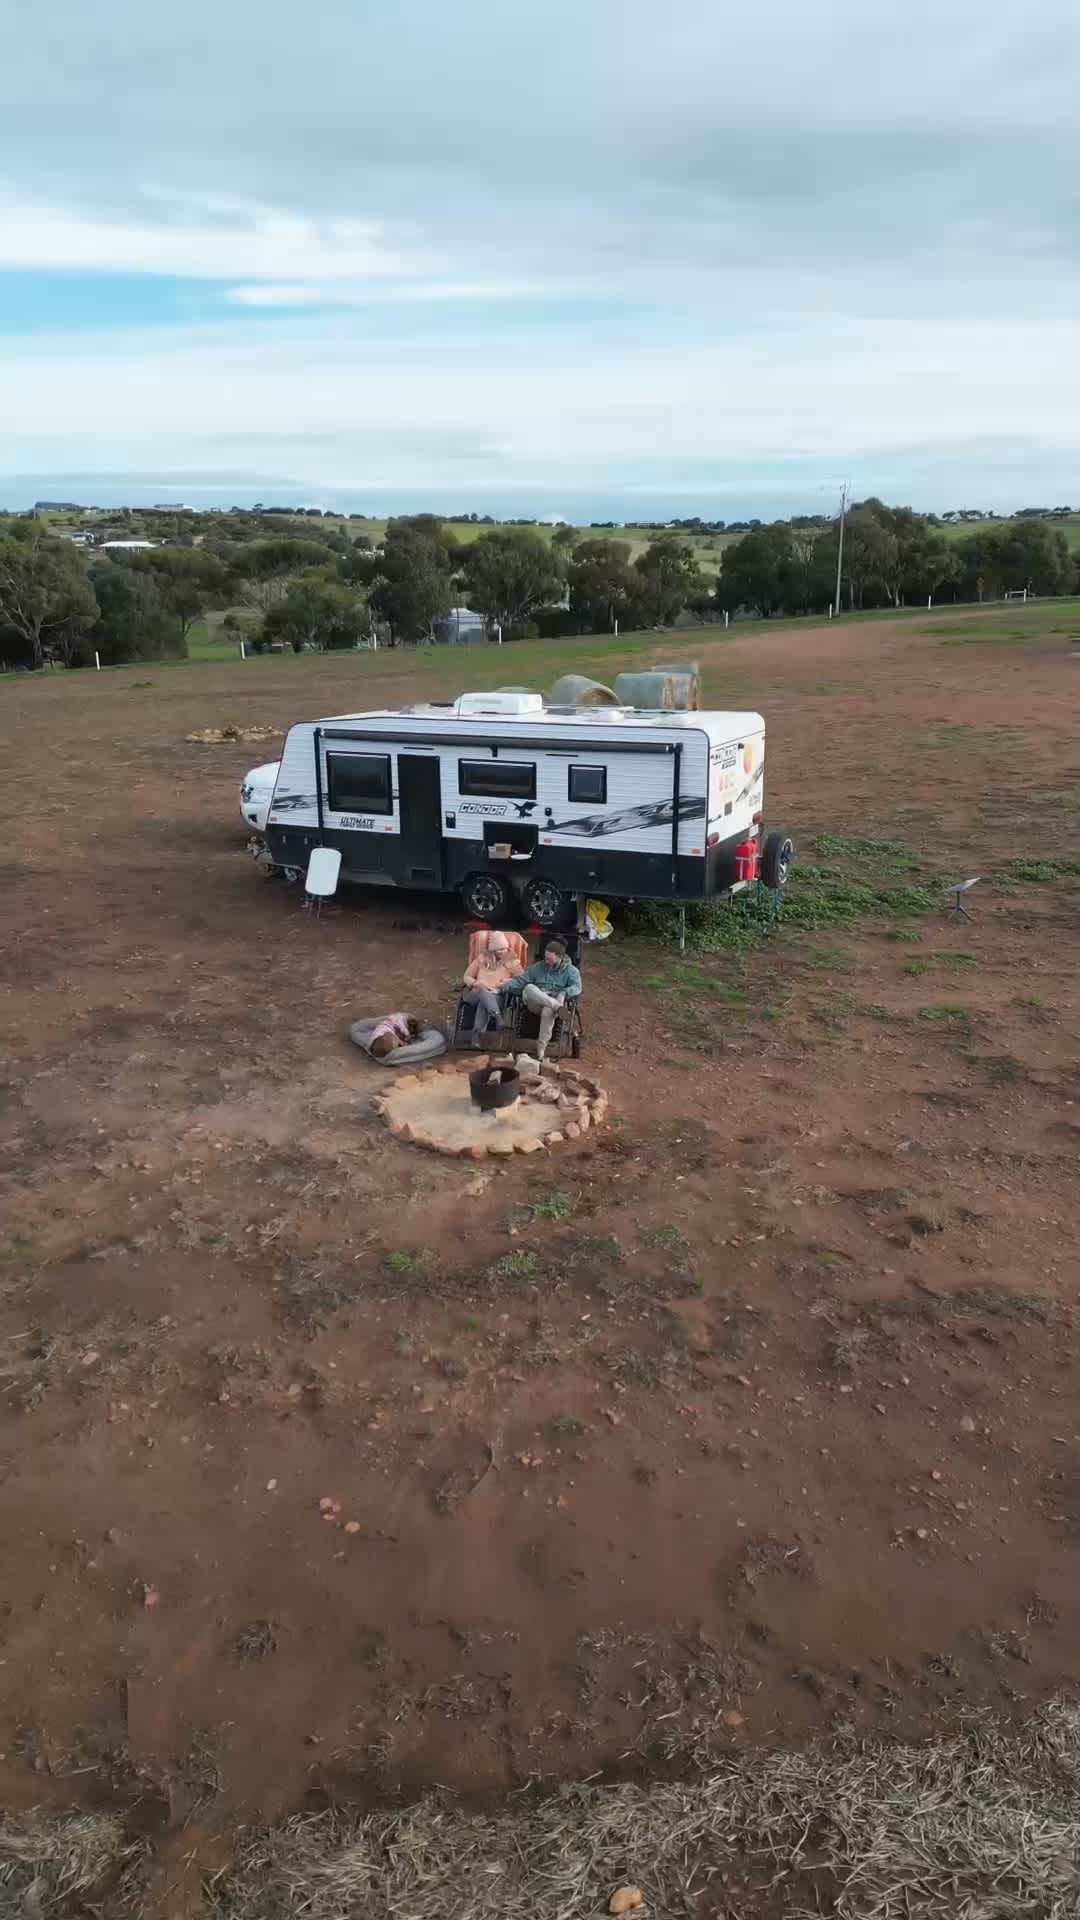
(319,586)
(891,556)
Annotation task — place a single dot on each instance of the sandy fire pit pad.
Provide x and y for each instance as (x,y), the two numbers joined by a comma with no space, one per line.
(434,1109)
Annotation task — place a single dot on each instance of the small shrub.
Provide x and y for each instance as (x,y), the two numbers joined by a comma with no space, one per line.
(519,1265)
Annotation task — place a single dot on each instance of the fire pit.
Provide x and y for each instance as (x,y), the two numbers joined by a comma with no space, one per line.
(493,1087)
(494,1109)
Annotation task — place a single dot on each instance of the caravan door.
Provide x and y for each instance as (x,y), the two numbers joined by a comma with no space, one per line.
(420,813)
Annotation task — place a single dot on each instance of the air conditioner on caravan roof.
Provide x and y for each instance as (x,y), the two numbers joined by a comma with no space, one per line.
(505,702)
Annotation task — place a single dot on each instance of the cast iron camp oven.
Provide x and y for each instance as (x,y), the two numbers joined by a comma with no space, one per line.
(494,1087)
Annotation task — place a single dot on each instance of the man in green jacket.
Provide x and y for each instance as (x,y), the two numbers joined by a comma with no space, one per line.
(545,987)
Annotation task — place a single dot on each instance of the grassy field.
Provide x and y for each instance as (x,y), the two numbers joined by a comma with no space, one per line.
(1070,527)
(539,662)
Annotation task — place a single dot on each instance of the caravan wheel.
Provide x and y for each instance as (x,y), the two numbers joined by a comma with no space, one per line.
(484,896)
(543,903)
(777,861)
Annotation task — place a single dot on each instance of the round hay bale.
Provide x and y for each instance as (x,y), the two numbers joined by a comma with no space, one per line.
(650,691)
(575,690)
(685,677)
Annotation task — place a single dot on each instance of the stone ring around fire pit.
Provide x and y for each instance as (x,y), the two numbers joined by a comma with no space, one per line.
(476,1109)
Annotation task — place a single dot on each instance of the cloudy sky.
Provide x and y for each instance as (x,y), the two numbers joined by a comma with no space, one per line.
(600,252)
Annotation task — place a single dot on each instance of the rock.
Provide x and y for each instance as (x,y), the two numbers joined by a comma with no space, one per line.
(625,1899)
(326,1505)
(150,1595)
(936,1473)
(478,1153)
(584,1120)
(967,1424)
(271,1486)
(732,1718)
(573,1132)
(554,1139)
(352,1526)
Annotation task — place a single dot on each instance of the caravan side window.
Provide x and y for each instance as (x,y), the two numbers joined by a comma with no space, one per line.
(588,784)
(359,783)
(498,779)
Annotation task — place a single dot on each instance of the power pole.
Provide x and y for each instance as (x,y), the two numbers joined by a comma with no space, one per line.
(840,548)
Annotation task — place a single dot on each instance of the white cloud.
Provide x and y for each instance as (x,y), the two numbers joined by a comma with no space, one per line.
(393,411)
(322,293)
(207,239)
(805,234)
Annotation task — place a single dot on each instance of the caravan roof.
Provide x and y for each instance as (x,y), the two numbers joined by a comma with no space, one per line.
(588,718)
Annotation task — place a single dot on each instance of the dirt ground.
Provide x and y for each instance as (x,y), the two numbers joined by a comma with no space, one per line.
(753,1414)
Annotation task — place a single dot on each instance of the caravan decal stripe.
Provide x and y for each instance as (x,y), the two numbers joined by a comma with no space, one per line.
(599,826)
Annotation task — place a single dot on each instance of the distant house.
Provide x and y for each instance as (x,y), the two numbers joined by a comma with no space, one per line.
(128,546)
(460,625)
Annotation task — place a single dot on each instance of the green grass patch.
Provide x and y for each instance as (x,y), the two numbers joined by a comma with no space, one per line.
(565,1426)
(849,881)
(519,1265)
(664,1238)
(946,1016)
(1039,872)
(409,1260)
(887,856)
(556,1205)
(819,897)
(826,959)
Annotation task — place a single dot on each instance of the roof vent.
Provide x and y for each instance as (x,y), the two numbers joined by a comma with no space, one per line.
(505,703)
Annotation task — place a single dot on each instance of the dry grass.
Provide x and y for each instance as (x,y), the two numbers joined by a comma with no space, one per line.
(983,1826)
(51,1867)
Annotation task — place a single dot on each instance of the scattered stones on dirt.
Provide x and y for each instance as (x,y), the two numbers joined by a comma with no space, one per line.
(222,736)
(435,1110)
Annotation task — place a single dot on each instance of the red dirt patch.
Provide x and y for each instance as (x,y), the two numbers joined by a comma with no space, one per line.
(759,1402)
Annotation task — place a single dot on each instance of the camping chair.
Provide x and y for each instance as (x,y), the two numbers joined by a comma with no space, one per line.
(567,1035)
(465,1013)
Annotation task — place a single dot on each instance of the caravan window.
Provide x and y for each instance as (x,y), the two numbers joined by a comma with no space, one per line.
(498,779)
(359,783)
(588,784)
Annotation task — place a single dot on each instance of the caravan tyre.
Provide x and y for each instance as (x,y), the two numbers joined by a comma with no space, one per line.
(543,903)
(484,896)
(777,861)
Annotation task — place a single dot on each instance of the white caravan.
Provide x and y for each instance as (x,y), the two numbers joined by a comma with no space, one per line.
(496,794)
